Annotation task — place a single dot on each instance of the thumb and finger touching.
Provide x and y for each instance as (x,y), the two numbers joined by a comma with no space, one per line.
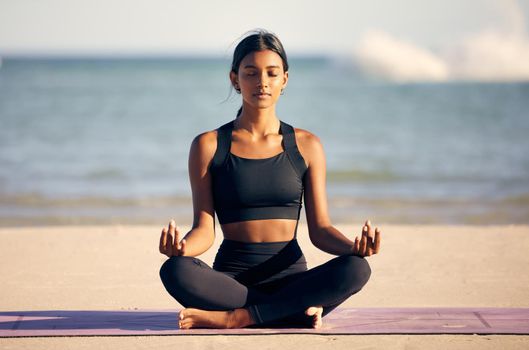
(179,244)
(167,245)
(369,243)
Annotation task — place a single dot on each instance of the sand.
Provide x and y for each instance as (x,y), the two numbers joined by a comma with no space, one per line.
(116,267)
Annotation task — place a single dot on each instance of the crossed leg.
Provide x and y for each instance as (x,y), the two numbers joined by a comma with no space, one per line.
(216,300)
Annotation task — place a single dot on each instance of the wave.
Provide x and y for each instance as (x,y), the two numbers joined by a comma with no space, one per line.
(38,200)
(354,175)
(106,174)
(381,55)
(491,55)
(34,210)
(520,199)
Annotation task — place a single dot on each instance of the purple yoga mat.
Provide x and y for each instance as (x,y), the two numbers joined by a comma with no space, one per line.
(339,321)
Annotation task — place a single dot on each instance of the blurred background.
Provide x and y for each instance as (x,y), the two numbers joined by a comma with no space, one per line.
(422,106)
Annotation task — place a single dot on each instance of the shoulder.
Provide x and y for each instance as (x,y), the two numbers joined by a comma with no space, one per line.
(205,141)
(203,146)
(307,140)
(309,145)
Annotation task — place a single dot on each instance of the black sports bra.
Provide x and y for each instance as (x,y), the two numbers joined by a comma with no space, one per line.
(251,189)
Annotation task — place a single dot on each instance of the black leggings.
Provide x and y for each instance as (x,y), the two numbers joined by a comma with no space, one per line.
(269,279)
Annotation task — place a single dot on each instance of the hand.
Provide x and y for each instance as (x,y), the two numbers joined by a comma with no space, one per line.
(368,244)
(167,246)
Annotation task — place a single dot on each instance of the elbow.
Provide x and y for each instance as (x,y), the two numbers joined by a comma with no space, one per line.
(320,234)
(316,236)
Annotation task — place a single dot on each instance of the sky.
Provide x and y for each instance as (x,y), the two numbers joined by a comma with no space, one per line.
(432,33)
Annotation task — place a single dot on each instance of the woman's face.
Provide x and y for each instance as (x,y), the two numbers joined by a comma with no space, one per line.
(261,78)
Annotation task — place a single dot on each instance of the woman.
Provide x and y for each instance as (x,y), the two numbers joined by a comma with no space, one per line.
(253,172)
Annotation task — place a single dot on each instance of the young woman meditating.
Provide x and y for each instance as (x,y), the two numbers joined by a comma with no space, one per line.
(253,173)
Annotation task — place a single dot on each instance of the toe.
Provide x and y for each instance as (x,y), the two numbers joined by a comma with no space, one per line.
(318,321)
(311,311)
(185,325)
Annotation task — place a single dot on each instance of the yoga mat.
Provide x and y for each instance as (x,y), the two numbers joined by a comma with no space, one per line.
(339,321)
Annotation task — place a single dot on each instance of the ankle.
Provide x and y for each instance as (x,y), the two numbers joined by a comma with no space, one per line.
(239,318)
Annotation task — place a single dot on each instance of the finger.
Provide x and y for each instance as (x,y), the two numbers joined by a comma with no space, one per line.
(363,246)
(365,231)
(356,246)
(378,236)
(172,233)
(163,240)
(363,242)
(169,247)
(370,234)
(371,238)
(183,249)
(369,247)
(169,244)
(178,238)
(171,226)
(176,245)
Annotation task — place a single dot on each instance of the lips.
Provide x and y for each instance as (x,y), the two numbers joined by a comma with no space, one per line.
(262,94)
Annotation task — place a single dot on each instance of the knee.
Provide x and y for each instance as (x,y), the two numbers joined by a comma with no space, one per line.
(355,272)
(179,275)
(173,270)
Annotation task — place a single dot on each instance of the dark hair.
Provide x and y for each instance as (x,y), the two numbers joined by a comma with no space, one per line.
(257,40)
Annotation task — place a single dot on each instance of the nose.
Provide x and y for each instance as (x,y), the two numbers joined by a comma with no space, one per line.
(262,81)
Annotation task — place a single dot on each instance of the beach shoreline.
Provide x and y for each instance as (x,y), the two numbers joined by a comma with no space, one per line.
(36,210)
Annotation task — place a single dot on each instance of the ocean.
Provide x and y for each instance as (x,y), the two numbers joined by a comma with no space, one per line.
(106,141)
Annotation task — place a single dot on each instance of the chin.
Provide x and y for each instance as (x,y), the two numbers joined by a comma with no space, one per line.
(262,105)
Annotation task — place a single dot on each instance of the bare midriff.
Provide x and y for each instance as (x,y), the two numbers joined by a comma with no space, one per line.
(257,231)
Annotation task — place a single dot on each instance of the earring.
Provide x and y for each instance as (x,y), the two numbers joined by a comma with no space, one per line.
(238,89)
(282,92)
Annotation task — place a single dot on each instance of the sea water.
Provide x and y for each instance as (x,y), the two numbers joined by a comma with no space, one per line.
(107,141)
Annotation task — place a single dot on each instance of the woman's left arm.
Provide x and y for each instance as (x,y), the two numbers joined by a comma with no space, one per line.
(321,231)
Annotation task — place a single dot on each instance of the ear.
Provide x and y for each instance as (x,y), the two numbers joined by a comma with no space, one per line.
(285,80)
(234,79)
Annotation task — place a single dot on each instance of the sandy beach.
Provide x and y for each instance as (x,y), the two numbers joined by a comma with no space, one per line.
(116,268)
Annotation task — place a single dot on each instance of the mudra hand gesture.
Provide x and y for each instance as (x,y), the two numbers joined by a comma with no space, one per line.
(369,244)
(167,246)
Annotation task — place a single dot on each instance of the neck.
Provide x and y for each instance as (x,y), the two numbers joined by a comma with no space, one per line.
(258,121)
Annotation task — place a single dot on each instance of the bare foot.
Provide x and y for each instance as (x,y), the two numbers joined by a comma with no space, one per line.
(316,313)
(196,318)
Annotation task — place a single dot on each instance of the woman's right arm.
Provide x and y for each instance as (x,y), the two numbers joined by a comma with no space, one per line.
(202,234)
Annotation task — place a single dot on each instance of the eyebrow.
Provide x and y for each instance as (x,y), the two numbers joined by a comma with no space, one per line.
(252,66)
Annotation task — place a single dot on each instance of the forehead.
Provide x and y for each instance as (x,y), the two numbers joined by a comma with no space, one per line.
(262,59)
